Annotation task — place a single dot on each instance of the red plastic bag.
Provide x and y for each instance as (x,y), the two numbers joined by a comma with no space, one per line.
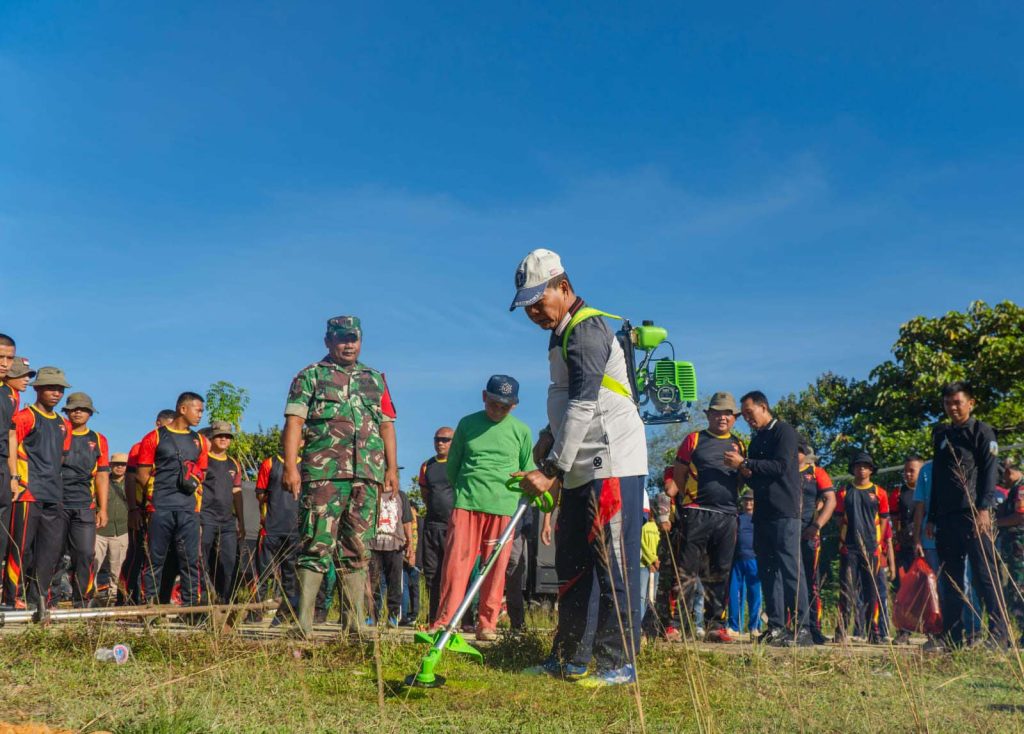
(917,602)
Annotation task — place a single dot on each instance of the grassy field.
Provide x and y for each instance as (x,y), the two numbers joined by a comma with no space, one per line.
(197,682)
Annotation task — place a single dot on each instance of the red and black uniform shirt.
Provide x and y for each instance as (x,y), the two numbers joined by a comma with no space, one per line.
(87,456)
(861,512)
(165,449)
(710,484)
(901,516)
(10,403)
(437,491)
(816,482)
(43,439)
(279,511)
(223,480)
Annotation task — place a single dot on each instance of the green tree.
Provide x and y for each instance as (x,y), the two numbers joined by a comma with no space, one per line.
(226,402)
(891,413)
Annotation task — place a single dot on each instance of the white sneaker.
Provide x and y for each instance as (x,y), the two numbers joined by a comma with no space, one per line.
(699,633)
(732,633)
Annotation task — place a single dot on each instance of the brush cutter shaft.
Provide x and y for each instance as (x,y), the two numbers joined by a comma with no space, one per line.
(505,536)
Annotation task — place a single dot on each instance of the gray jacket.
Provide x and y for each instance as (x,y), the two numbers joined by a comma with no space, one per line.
(598,433)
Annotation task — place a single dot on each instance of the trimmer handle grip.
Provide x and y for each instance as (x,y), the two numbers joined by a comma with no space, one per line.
(545,503)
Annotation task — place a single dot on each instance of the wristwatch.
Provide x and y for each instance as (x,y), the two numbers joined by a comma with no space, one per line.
(549,468)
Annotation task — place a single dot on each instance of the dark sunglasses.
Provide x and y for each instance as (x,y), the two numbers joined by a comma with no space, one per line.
(441,439)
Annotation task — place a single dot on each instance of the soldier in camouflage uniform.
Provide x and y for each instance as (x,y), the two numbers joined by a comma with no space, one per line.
(1010,521)
(343,410)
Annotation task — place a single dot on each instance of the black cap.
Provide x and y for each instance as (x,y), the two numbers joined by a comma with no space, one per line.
(862,457)
(504,389)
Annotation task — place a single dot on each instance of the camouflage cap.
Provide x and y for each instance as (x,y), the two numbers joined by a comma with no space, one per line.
(47,376)
(221,428)
(344,325)
(79,400)
(20,368)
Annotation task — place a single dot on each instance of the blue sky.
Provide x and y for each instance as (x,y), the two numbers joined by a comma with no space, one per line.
(188,190)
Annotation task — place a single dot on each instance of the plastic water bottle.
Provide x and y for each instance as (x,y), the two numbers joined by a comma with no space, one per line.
(118,653)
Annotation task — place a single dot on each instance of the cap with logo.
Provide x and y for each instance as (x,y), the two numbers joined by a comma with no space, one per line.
(344,326)
(221,428)
(79,400)
(50,377)
(723,401)
(504,389)
(19,368)
(532,276)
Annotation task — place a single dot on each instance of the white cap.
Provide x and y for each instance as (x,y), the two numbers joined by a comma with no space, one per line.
(533,274)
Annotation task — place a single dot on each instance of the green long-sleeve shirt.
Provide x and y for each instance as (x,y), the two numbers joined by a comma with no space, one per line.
(650,535)
(482,455)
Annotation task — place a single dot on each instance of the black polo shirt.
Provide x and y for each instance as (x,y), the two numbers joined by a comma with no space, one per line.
(965,468)
(775,472)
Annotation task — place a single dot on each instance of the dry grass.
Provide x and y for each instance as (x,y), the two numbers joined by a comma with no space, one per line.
(201,683)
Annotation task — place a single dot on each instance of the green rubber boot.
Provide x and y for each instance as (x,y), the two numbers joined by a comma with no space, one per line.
(309,584)
(353,602)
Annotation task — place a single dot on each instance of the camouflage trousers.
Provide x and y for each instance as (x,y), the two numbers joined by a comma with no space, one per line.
(336,521)
(1011,547)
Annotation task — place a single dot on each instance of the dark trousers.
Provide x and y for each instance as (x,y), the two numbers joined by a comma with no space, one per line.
(410,593)
(514,602)
(387,566)
(957,541)
(5,514)
(433,539)
(37,530)
(597,537)
(810,580)
(709,539)
(177,529)
(219,559)
(80,529)
(129,589)
(858,585)
(777,545)
(277,557)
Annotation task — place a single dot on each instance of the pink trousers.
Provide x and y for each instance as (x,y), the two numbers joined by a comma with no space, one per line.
(473,534)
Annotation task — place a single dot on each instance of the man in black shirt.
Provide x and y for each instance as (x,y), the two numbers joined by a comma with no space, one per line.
(965,469)
(772,469)
(439,499)
(279,538)
(175,457)
(709,503)
(221,514)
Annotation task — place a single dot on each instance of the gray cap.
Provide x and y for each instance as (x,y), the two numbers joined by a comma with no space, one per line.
(47,376)
(221,428)
(79,400)
(19,368)
(723,401)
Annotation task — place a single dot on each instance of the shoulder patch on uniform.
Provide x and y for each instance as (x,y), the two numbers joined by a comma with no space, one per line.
(993,448)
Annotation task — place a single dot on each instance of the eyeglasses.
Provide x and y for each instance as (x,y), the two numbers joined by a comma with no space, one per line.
(442,439)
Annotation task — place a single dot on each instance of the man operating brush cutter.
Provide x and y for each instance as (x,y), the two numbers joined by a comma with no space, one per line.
(596,450)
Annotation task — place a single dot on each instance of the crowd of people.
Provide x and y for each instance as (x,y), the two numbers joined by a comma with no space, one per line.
(737,528)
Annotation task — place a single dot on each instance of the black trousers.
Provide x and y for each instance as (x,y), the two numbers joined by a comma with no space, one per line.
(957,541)
(810,580)
(219,559)
(80,530)
(177,529)
(777,545)
(129,589)
(597,539)
(277,557)
(514,602)
(387,564)
(37,530)
(858,585)
(5,513)
(711,537)
(433,540)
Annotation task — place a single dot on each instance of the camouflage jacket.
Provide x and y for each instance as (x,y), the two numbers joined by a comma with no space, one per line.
(343,408)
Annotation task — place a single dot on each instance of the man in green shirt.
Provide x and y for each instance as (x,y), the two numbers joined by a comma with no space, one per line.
(112,538)
(487,447)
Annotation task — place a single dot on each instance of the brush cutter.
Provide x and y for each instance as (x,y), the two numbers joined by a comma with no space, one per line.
(449,637)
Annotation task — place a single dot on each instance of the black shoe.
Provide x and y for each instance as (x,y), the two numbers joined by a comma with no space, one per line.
(772,636)
(320,616)
(902,638)
(803,638)
(784,638)
(819,639)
